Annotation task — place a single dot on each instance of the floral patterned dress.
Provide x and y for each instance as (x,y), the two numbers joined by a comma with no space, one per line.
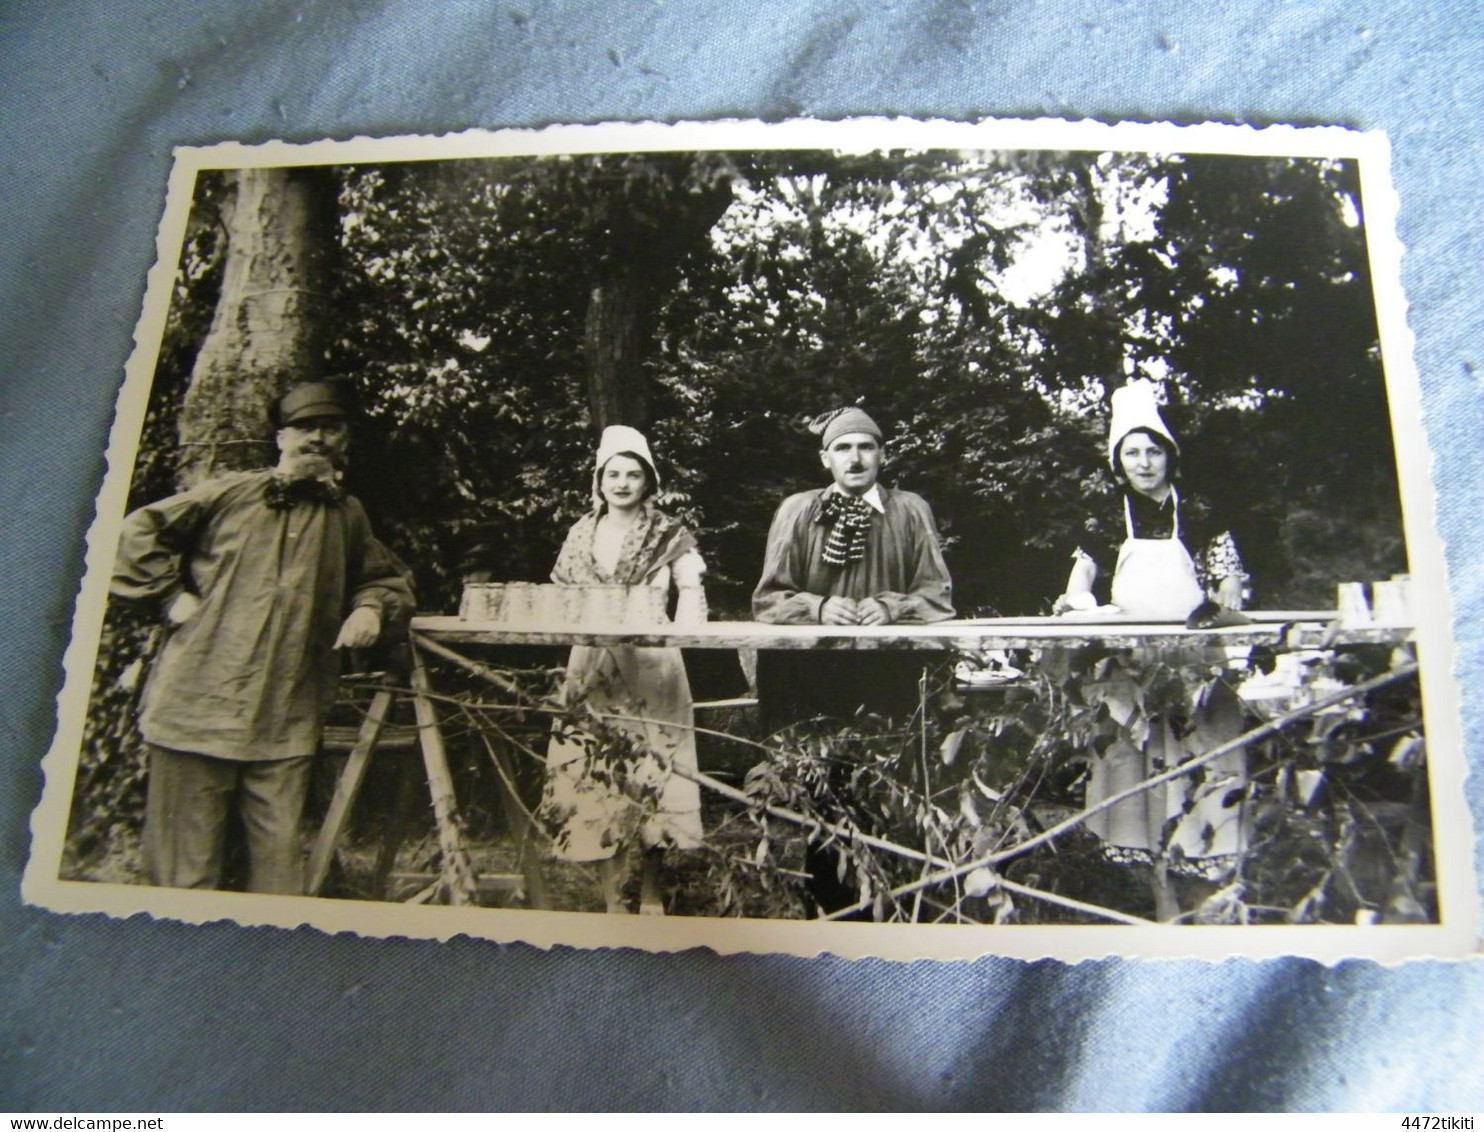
(611,766)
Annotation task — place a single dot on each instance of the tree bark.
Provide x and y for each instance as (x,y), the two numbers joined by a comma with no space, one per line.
(267,332)
(617,331)
(651,234)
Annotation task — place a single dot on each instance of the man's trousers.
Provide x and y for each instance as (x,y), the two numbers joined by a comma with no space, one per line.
(189,802)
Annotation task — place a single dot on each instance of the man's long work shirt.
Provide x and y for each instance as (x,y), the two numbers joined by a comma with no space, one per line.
(902,567)
(253,673)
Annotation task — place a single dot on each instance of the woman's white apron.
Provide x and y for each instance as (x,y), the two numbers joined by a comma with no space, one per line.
(1155,577)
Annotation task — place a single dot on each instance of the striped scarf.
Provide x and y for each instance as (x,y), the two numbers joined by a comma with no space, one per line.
(849,520)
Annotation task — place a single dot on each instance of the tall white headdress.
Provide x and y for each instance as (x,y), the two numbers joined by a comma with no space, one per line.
(1134,407)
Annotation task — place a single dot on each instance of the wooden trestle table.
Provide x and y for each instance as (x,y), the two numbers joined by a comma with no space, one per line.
(448,638)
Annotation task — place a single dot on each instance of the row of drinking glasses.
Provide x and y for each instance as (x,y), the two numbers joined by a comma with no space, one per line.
(1389,603)
(529,605)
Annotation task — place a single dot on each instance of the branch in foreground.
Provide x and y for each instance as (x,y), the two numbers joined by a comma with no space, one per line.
(510,789)
(499,680)
(1272,727)
(845,833)
(948,871)
(1067,902)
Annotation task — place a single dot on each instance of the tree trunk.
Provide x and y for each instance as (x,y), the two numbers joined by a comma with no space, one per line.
(617,332)
(267,332)
(653,230)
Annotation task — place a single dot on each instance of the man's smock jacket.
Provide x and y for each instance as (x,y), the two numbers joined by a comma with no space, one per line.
(903,566)
(253,673)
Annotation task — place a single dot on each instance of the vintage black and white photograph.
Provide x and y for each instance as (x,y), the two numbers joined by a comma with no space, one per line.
(883,538)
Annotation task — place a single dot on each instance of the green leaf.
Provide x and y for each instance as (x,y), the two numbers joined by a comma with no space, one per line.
(948,750)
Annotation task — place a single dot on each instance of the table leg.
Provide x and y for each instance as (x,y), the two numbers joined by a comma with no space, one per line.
(458,873)
(404,805)
(522,829)
(346,789)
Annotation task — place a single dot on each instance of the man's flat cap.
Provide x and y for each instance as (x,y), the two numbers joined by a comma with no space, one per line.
(312,399)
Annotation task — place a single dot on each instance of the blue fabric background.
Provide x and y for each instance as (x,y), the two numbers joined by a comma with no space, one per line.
(117,1016)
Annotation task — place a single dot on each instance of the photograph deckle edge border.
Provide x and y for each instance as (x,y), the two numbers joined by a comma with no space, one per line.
(1454,935)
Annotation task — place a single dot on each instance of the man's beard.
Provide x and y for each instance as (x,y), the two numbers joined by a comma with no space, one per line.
(309,466)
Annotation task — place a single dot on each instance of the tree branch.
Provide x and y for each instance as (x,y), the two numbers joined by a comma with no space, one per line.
(1272,727)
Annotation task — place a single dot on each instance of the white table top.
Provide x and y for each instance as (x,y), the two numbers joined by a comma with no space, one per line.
(1289,629)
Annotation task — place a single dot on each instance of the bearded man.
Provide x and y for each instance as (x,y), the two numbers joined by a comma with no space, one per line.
(262,576)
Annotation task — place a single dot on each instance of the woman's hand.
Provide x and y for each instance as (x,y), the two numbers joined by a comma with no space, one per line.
(1229,592)
(1081,601)
(1078,593)
(688,571)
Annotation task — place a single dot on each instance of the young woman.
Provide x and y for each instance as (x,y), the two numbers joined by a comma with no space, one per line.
(600,802)
(1172,558)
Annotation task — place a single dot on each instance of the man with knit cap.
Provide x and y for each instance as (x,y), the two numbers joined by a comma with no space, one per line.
(854,553)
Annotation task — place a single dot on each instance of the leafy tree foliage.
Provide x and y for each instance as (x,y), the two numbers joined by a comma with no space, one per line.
(980,305)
